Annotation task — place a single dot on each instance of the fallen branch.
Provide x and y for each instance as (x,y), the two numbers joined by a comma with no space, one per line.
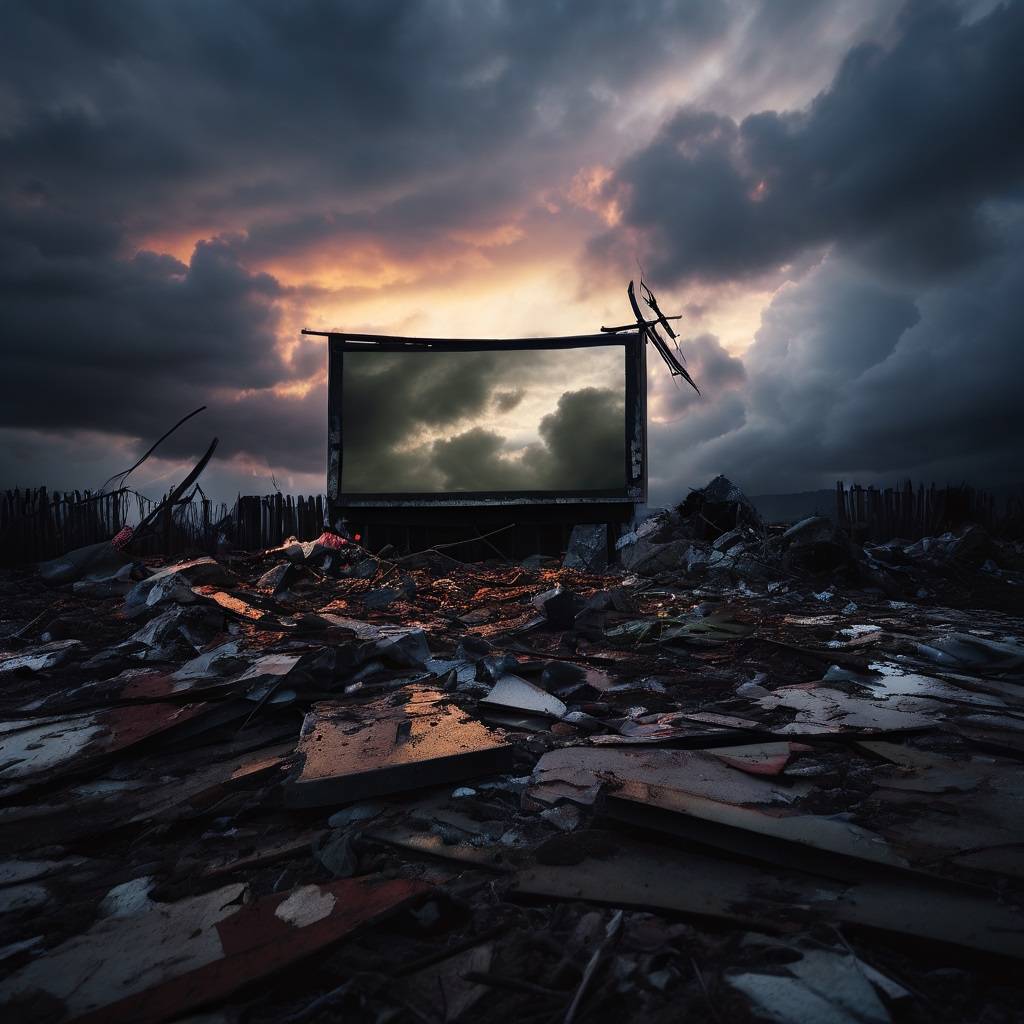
(652,303)
(611,934)
(171,498)
(471,540)
(153,447)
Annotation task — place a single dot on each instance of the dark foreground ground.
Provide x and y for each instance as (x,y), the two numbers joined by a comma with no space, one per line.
(773,780)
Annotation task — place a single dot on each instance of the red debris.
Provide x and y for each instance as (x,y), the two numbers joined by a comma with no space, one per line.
(122,537)
(331,540)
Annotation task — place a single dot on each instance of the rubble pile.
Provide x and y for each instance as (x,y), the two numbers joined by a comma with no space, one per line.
(716,535)
(743,773)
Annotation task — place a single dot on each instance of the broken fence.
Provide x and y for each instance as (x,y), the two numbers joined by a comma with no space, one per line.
(871,514)
(38,524)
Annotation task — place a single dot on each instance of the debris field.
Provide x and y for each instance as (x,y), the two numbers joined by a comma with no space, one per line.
(732,773)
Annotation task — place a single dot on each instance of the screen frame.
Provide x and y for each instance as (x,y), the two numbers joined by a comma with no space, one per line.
(635,420)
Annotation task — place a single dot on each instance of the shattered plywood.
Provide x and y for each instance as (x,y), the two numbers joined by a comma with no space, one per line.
(803,753)
(157,964)
(348,754)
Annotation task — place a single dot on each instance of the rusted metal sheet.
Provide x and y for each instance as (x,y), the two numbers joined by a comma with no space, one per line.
(49,747)
(155,965)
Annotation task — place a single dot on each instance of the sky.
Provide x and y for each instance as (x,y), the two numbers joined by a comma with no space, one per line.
(829,192)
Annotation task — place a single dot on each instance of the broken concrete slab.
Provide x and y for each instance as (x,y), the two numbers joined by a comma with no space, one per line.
(16,899)
(964,650)
(384,597)
(104,584)
(615,869)
(824,709)
(285,577)
(732,539)
(403,646)
(716,508)
(178,628)
(265,674)
(17,872)
(668,727)
(935,912)
(219,661)
(647,558)
(348,754)
(758,758)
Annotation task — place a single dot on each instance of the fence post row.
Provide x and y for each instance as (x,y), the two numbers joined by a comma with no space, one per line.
(869,514)
(36,524)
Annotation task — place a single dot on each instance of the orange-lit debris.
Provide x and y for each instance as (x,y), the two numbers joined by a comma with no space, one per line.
(349,754)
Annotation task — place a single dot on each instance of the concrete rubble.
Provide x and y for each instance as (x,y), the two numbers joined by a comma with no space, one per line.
(736,772)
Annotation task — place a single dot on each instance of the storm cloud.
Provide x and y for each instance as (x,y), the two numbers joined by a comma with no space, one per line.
(889,211)
(832,191)
(253,141)
(582,447)
(426,422)
(303,118)
(894,162)
(847,371)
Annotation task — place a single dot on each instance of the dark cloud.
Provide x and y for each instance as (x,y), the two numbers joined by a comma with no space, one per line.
(852,378)
(273,130)
(709,363)
(289,132)
(391,400)
(394,403)
(585,438)
(268,109)
(892,203)
(895,161)
(506,401)
(477,460)
(582,447)
(97,341)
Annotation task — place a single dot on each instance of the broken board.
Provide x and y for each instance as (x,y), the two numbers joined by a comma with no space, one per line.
(350,754)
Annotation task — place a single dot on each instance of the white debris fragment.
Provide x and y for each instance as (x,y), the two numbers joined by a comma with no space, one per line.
(306,906)
(129,898)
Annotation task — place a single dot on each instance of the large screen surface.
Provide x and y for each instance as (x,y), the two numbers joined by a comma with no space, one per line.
(430,422)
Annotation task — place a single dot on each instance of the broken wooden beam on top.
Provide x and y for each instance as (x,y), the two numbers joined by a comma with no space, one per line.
(649,329)
(652,304)
(633,326)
